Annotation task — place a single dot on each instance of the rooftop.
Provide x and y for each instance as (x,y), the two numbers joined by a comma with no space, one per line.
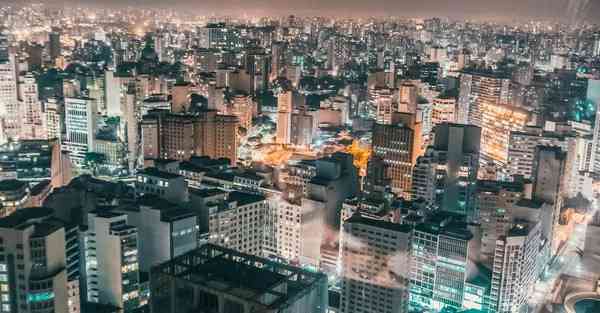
(244,276)
(359,219)
(25,216)
(11,185)
(155,172)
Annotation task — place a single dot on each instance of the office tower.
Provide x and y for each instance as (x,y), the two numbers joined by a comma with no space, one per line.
(375,265)
(112,264)
(443,110)
(237,221)
(463,60)
(112,93)
(284,114)
(14,195)
(336,179)
(384,104)
(131,117)
(219,36)
(498,121)
(516,266)
(165,230)
(407,98)
(54,113)
(479,92)
(30,109)
(80,127)
(242,106)
(290,228)
(492,202)
(180,97)
(549,170)
(33,274)
(302,130)
(34,56)
(54,46)
(522,146)
(442,249)
(445,175)
(8,96)
(226,280)
(277,59)
(169,186)
(61,169)
(398,144)
(179,136)
(377,178)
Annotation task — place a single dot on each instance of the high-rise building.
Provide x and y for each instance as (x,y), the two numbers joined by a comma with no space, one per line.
(399,145)
(302,128)
(441,253)
(112,264)
(516,266)
(407,98)
(33,273)
(284,115)
(165,230)
(8,97)
(522,146)
(445,176)
(226,280)
(237,221)
(53,111)
(180,97)
(166,185)
(54,46)
(31,119)
(375,265)
(80,127)
(479,91)
(443,110)
(497,123)
(384,104)
(179,136)
(593,95)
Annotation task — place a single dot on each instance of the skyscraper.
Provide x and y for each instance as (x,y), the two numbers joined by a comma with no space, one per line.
(375,265)
(399,145)
(8,95)
(80,124)
(440,262)
(30,109)
(284,114)
(54,46)
(33,271)
(112,265)
(478,90)
(445,176)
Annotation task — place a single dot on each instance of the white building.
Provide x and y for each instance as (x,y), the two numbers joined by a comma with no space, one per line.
(111,260)
(80,124)
(375,265)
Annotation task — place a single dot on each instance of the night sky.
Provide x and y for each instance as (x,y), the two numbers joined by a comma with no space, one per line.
(571,10)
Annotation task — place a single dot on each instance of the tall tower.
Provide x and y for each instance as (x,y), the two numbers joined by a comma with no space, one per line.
(284,115)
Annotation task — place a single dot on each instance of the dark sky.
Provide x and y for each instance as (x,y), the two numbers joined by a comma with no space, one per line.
(566,9)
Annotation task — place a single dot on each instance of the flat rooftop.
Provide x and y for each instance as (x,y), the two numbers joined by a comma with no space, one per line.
(240,275)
